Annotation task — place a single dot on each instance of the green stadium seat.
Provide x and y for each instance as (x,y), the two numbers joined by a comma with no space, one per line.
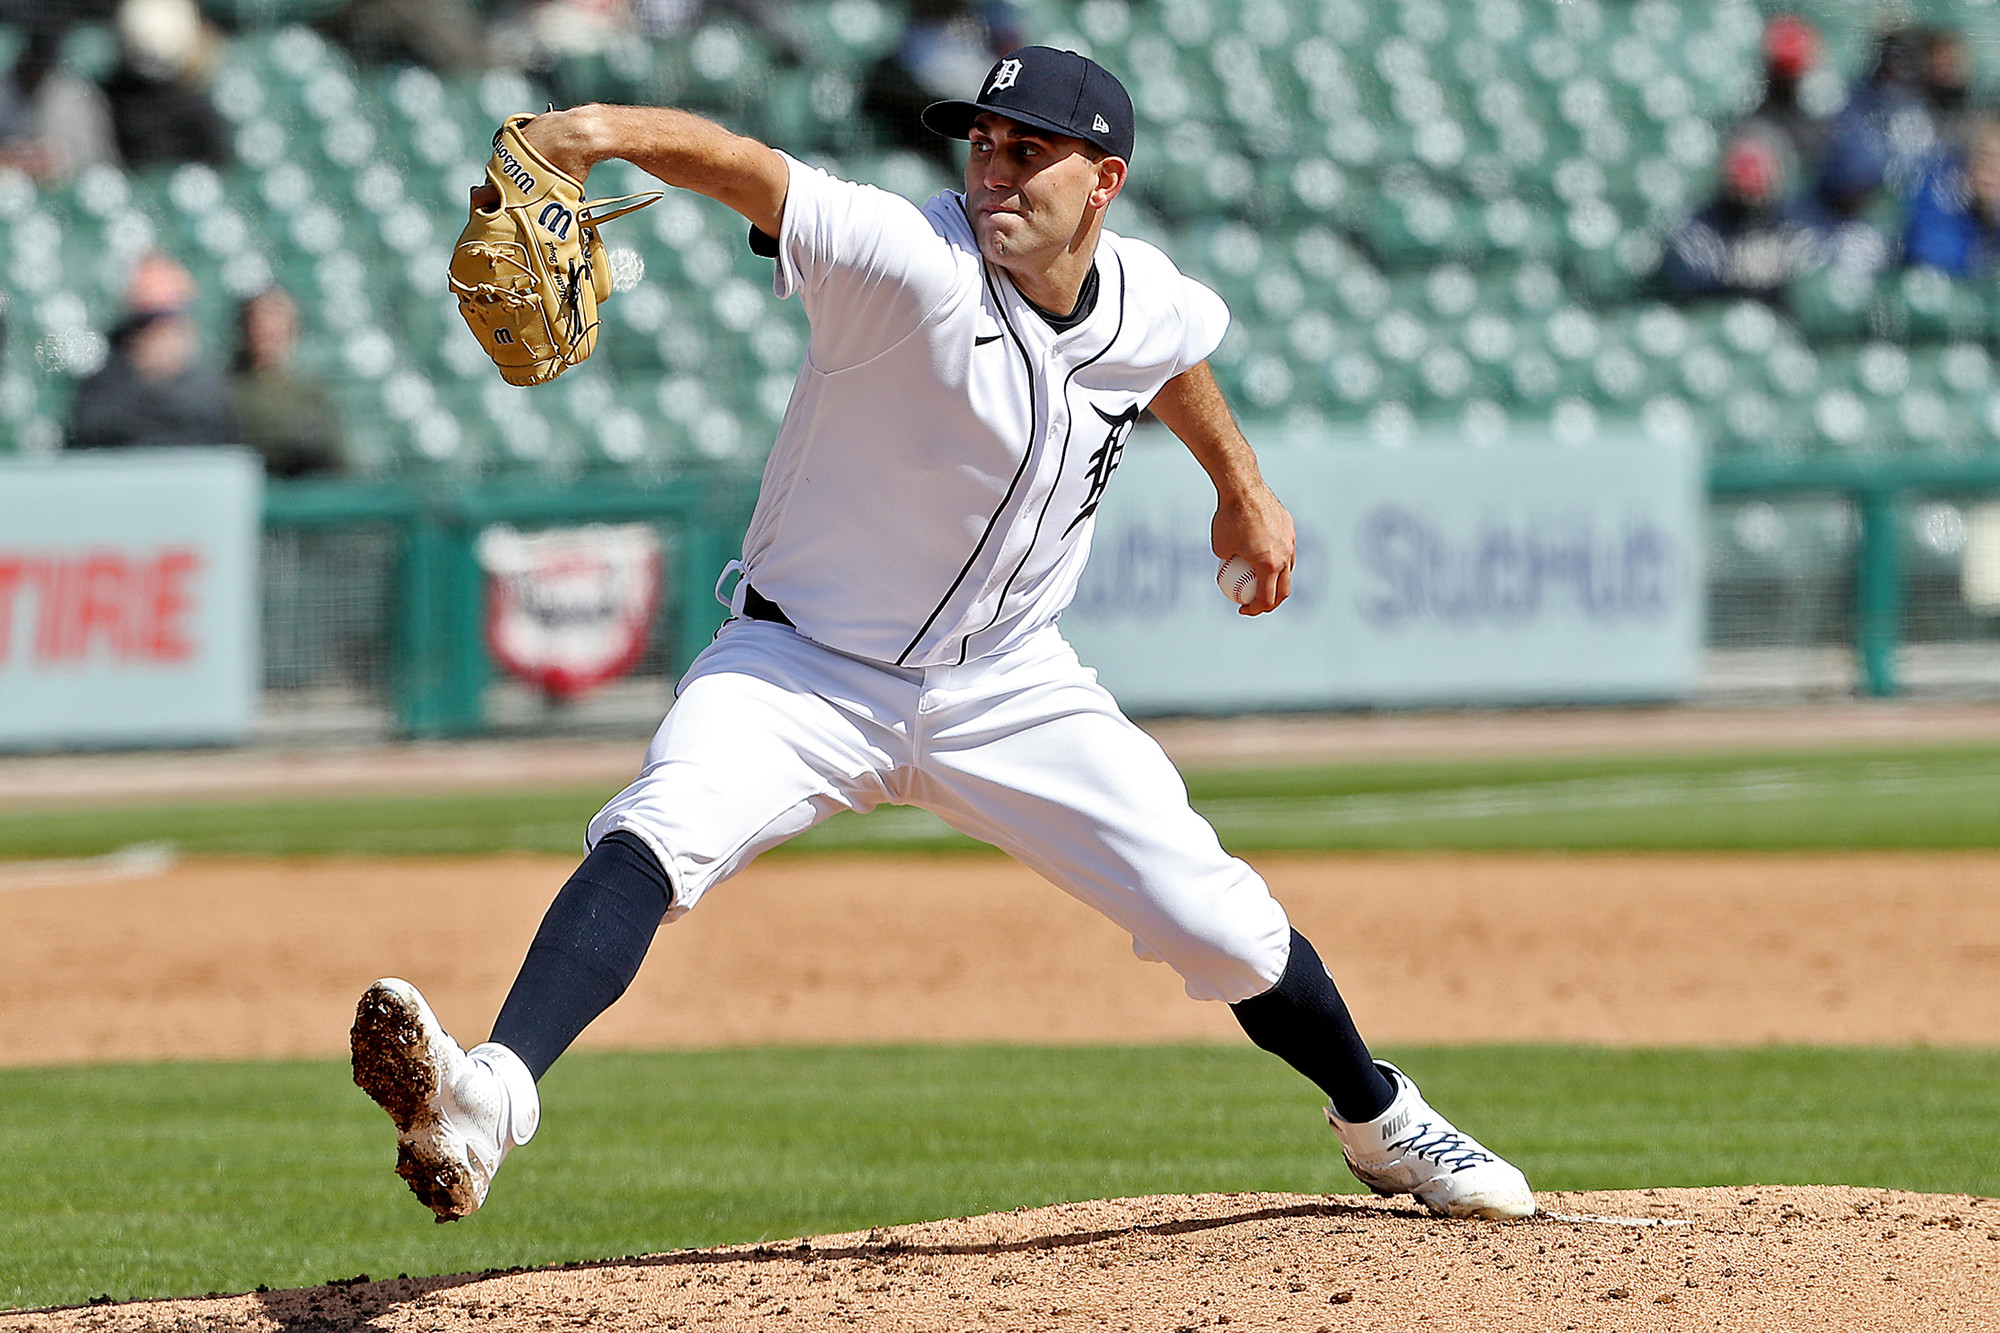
(1390,423)
(1845,422)
(1575,421)
(1670,418)
(1278,293)
(1445,377)
(1483,422)
(1220,182)
(1755,422)
(1451,291)
(1534,378)
(1964,369)
(1791,371)
(1708,372)
(1420,229)
(1490,338)
(1834,305)
(1308,190)
(1265,381)
(1355,379)
(1625,379)
(1453,210)
(1879,369)
(1926,306)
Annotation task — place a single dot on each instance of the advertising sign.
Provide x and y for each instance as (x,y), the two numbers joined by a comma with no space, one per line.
(570,608)
(1428,575)
(128,598)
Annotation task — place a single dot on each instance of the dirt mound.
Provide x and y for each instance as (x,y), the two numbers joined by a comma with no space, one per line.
(1779,1258)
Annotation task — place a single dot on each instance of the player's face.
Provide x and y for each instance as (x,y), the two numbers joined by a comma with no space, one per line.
(1028,191)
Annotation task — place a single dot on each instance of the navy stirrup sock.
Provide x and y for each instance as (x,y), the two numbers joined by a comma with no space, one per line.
(1303,1021)
(591,942)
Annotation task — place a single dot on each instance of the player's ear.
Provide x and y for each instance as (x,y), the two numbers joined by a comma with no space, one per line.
(1110,180)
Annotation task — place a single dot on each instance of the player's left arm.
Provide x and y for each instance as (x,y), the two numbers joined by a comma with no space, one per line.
(1249,520)
(681,148)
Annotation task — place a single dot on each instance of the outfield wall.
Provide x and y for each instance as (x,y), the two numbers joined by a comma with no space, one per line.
(128,598)
(1427,575)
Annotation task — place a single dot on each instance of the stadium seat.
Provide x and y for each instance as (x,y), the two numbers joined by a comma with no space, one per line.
(1450,209)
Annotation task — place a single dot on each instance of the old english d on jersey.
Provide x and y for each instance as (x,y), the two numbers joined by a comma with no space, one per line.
(930,495)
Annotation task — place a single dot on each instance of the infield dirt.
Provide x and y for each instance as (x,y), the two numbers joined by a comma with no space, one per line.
(265,958)
(232,958)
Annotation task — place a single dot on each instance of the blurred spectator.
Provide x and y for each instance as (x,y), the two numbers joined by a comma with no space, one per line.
(289,420)
(544,36)
(1844,236)
(160,110)
(445,35)
(52,124)
(153,390)
(1955,218)
(1882,137)
(1791,52)
(774,20)
(1946,81)
(1745,242)
(947,47)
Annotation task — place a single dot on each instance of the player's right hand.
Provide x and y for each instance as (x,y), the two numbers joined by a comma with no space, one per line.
(1256,526)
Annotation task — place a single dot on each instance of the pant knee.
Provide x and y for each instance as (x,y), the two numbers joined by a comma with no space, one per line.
(1227,955)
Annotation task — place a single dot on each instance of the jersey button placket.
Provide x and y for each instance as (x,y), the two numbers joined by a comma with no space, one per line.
(928,703)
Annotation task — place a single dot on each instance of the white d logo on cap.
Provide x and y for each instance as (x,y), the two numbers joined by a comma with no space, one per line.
(1004,76)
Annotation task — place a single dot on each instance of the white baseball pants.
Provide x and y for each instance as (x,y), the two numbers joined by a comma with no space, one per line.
(773,733)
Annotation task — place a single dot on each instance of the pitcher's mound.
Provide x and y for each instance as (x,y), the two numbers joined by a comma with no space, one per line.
(1778,1258)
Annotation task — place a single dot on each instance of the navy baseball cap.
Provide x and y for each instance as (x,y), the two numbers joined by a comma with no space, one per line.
(1059,91)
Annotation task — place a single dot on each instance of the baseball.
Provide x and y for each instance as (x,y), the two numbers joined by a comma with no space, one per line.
(1237,580)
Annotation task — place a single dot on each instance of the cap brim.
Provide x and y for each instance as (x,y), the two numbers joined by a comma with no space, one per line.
(954,120)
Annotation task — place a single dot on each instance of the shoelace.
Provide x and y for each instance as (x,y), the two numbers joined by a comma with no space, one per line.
(1444,1145)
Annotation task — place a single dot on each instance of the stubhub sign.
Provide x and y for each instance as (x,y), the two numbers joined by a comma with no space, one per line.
(1428,575)
(128,597)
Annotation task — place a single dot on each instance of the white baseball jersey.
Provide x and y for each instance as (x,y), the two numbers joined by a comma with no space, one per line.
(924,517)
(932,490)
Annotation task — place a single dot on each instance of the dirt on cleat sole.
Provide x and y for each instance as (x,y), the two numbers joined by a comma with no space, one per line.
(431,1182)
(389,1063)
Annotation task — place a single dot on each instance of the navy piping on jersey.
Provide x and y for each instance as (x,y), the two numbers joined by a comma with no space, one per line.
(1000,307)
(1062,465)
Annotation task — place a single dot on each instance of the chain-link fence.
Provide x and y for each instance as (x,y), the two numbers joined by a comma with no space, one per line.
(1782,624)
(376,607)
(329,604)
(1783,588)
(1780,597)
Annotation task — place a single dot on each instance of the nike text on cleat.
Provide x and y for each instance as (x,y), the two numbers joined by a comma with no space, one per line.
(1411,1149)
(457,1113)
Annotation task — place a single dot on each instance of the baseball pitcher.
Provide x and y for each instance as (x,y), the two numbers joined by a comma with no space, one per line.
(974,366)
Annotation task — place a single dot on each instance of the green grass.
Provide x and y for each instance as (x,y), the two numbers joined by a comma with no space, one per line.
(153,1180)
(1938,798)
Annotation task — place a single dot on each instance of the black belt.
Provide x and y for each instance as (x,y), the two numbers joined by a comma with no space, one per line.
(759,607)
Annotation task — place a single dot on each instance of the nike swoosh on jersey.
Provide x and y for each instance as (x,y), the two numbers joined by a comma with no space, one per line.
(990,338)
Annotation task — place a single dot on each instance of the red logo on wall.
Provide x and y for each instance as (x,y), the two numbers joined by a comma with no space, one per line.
(569,609)
(98,604)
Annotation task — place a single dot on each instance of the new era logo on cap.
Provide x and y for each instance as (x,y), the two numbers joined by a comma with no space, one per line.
(1059,91)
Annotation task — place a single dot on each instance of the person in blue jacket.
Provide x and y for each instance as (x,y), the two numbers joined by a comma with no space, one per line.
(1954,222)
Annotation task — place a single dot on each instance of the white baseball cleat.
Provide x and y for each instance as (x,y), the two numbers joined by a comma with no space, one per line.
(458,1113)
(1411,1149)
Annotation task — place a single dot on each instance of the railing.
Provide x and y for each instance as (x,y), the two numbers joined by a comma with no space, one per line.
(1878,489)
(438,665)
(438,668)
